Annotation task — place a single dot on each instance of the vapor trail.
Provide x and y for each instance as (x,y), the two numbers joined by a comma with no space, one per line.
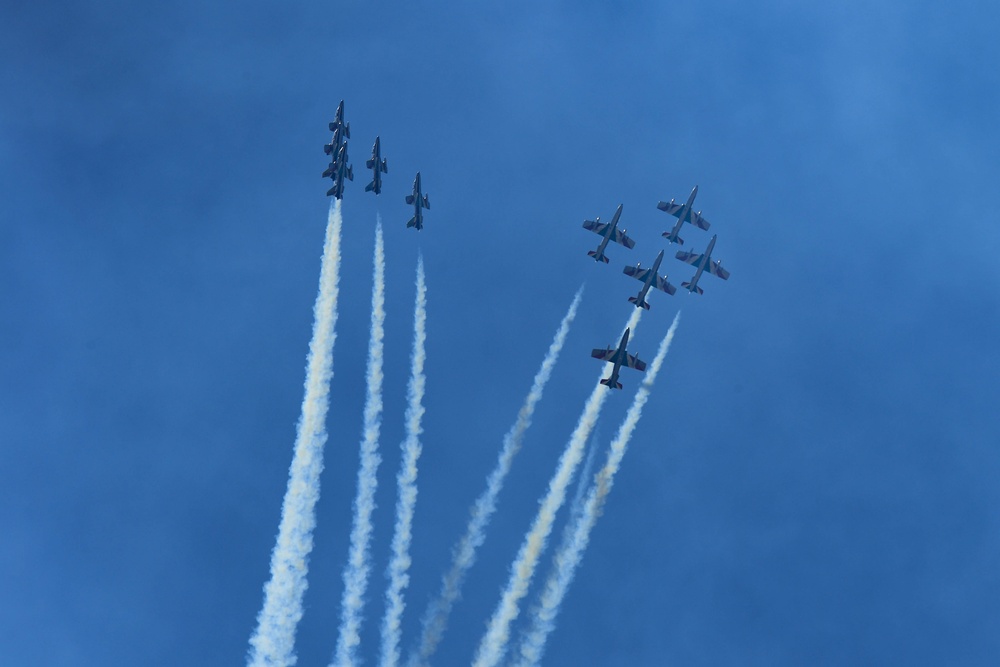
(494,644)
(358,562)
(407,484)
(273,642)
(570,552)
(435,619)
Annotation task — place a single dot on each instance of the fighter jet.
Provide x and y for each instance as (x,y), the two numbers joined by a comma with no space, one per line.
(336,142)
(703,262)
(338,171)
(338,121)
(419,201)
(683,214)
(610,233)
(378,166)
(619,358)
(341,132)
(649,278)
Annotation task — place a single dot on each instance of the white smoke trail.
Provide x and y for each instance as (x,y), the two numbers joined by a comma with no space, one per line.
(494,644)
(358,561)
(273,642)
(407,483)
(570,552)
(435,619)
(576,507)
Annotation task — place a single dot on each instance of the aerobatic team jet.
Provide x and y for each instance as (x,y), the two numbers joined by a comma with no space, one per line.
(419,201)
(619,358)
(341,132)
(338,171)
(378,166)
(683,213)
(702,262)
(610,233)
(649,278)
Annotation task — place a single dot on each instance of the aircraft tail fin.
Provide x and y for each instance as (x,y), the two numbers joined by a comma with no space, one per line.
(607,382)
(635,301)
(687,286)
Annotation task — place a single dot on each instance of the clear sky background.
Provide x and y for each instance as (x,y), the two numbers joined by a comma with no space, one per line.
(815,478)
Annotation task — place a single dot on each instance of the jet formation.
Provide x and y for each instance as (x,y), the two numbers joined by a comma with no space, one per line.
(340,171)
(650,277)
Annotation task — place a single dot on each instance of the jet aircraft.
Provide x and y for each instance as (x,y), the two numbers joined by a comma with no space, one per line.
(702,262)
(338,171)
(619,358)
(378,166)
(610,233)
(419,201)
(336,142)
(341,132)
(684,213)
(649,278)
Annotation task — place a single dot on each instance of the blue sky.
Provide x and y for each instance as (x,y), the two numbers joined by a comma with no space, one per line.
(814,479)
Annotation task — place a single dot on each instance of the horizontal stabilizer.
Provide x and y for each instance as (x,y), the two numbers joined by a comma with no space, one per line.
(687,286)
(673,239)
(607,383)
(413,223)
(370,187)
(602,258)
(332,191)
(328,172)
(635,301)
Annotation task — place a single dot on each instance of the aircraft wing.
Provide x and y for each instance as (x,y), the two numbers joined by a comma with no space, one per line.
(670,207)
(620,237)
(675,209)
(698,221)
(637,273)
(689,257)
(594,226)
(664,286)
(715,268)
(605,354)
(635,362)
